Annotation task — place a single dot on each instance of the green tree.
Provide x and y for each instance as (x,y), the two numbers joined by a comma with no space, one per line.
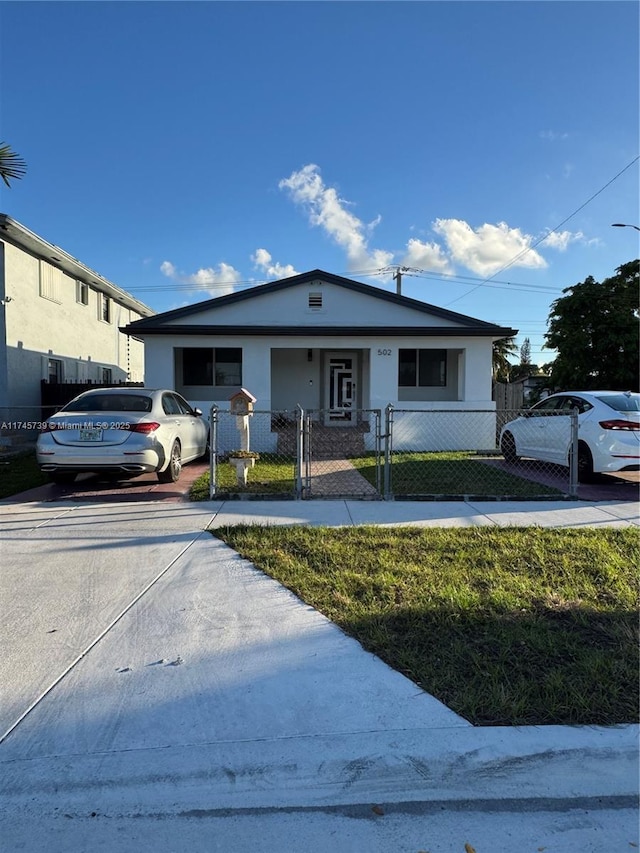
(502,349)
(595,329)
(525,368)
(12,167)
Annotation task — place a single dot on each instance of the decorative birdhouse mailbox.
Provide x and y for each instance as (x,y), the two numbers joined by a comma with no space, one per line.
(241,402)
(241,405)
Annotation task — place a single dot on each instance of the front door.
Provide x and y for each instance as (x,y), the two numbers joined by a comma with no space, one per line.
(341,371)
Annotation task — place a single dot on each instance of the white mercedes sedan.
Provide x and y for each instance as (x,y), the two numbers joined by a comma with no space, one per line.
(121,433)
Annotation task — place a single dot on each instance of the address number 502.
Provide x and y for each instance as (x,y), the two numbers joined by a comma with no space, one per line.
(384,351)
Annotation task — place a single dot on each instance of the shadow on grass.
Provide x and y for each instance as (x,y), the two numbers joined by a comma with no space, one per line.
(272,476)
(573,666)
(453,475)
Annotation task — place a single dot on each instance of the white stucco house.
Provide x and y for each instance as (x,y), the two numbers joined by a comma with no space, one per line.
(59,321)
(324,342)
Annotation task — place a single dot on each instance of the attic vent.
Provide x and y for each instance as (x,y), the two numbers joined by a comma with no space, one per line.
(315,300)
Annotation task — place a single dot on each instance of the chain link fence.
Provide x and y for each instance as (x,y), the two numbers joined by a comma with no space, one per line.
(471,454)
(395,454)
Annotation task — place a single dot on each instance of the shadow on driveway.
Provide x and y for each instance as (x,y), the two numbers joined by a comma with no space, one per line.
(90,487)
(624,486)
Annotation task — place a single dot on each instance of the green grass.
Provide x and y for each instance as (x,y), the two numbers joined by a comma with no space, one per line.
(510,626)
(451,473)
(272,474)
(455,473)
(19,473)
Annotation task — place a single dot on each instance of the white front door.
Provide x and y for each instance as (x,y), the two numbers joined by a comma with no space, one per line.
(340,372)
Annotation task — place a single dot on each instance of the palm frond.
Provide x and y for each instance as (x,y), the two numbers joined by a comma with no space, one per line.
(12,166)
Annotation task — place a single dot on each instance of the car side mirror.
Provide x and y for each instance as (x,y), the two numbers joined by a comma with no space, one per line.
(198,412)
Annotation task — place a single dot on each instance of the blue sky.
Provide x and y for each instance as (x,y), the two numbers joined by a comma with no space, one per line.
(183,149)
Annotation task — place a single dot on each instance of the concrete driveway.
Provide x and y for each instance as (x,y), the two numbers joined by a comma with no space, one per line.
(161,693)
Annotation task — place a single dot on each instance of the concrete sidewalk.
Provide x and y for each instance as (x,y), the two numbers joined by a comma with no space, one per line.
(334,513)
(161,693)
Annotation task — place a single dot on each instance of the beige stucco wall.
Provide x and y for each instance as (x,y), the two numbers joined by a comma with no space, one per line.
(37,328)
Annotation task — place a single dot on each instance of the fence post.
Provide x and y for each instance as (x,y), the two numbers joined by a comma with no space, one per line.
(299,449)
(213,450)
(378,416)
(388,430)
(573,456)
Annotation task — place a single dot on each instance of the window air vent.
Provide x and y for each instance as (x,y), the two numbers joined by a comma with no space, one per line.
(315,300)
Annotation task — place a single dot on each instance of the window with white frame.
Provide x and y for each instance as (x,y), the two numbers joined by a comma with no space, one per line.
(212,366)
(421,368)
(55,370)
(104,308)
(51,279)
(82,292)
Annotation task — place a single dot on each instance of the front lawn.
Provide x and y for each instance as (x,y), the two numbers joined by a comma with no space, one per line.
(19,473)
(452,473)
(271,475)
(510,626)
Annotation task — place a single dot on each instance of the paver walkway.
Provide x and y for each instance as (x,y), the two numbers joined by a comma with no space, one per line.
(339,477)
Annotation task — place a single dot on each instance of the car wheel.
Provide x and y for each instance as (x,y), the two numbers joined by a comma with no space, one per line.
(585,465)
(171,473)
(508,447)
(63,478)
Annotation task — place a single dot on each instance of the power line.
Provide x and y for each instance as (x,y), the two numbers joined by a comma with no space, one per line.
(552,231)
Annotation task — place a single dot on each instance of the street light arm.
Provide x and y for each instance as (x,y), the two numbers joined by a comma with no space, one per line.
(624,225)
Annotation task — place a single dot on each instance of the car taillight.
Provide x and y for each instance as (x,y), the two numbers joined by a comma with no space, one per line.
(48,427)
(144,428)
(619,424)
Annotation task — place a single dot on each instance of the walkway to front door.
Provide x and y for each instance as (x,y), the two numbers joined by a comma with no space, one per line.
(338,478)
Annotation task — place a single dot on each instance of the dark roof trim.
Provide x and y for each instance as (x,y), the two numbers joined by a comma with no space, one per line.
(293,281)
(485,331)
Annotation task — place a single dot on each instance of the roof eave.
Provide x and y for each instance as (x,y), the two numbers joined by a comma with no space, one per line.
(18,235)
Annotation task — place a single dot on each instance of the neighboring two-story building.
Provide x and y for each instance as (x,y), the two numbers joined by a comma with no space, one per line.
(59,321)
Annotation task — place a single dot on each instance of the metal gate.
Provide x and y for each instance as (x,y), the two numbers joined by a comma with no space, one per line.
(341,461)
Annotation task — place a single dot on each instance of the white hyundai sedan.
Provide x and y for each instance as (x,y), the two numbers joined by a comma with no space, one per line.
(122,432)
(608,432)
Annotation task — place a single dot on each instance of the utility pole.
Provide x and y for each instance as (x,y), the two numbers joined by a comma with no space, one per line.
(398,279)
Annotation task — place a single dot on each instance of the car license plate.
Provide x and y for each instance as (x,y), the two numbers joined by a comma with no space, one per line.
(90,435)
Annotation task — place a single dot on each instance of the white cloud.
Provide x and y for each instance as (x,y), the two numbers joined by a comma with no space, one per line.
(426,256)
(560,239)
(489,247)
(262,260)
(328,211)
(216,282)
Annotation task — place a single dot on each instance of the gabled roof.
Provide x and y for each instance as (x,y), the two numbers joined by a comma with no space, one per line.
(165,323)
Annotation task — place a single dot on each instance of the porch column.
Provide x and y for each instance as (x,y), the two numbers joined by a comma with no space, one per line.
(477,371)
